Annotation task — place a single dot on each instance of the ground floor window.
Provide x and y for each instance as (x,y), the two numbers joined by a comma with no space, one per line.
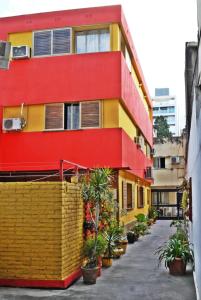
(140,202)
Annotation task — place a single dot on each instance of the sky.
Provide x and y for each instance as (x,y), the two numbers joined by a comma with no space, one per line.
(159,29)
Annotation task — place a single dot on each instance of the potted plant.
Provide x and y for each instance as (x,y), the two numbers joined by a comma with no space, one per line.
(175,254)
(95,191)
(111,235)
(132,237)
(140,228)
(153,214)
(93,249)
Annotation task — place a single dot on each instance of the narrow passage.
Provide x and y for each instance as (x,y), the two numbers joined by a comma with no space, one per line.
(135,276)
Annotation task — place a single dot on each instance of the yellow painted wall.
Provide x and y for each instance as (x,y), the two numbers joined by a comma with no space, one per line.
(19,39)
(126,123)
(128,216)
(115,37)
(33,114)
(40,222)
(110,113)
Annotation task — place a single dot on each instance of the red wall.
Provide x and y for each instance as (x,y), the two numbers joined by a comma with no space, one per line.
(64,18)
(61,78)
(131,98)
(74,78)
(91,148)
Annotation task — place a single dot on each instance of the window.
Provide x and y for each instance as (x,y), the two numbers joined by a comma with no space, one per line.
(90,114)
(92,41)
(140,202)
(164,109)
(129,195)
(159,162)
(171,109)
(72,116)
(54,116)
(171,119)
(161,92)
(124,194)
(52,42)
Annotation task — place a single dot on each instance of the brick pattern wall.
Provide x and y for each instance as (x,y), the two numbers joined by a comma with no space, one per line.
(38,224)
(72,228)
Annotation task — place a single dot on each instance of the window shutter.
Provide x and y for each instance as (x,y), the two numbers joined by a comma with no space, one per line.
(124,194)
(54,116)
(90,114)
(133,196)
(62,41)
(42,43)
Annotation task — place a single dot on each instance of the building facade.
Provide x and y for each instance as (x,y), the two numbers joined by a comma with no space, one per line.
(193,152)
(168,173)
(165,105)
(75,91)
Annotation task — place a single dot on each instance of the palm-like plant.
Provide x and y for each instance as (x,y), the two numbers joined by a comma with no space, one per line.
(173,249)
(95,190)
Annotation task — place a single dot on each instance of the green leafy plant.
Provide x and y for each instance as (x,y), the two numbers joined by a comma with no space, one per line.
(141,218)
(91,255)
(153,213)
(112,235)
(172,249)
(96,190)
(140,228)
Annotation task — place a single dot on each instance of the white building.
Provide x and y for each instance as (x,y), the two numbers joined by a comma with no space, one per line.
(165,105)
(193,151)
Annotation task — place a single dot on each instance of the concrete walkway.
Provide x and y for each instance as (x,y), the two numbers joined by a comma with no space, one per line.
(135,276)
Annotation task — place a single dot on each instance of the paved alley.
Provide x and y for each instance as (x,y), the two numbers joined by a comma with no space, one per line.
(134,276)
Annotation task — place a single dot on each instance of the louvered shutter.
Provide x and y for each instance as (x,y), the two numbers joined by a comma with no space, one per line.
(90,114)
(124,194)
(42,43)
(54,116)
(133,196)
(61,41)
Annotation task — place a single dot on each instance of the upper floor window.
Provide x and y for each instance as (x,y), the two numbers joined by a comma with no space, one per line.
(52,42)
(72,116)
(159,162)
(92,41)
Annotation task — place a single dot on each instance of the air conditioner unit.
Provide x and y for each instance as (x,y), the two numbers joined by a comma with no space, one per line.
(12,124)
(20,52)
(175,160)
(148,173)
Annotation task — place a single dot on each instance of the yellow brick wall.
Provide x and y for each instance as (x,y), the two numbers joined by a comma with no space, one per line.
(72,228)
(32,217)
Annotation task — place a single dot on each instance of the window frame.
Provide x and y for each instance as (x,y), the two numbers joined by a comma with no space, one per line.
(51,30)
(87,30)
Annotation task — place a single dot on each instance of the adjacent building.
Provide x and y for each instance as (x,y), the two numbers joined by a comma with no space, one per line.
(75,92)
(193,150)
(168,174)
(165,105)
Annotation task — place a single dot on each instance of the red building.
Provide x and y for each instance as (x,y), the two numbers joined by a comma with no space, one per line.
(75,91)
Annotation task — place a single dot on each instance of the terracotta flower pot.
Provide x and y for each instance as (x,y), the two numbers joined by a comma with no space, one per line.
(123,244)
(89,275)
(117,252)
(177,267)
(106,262)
